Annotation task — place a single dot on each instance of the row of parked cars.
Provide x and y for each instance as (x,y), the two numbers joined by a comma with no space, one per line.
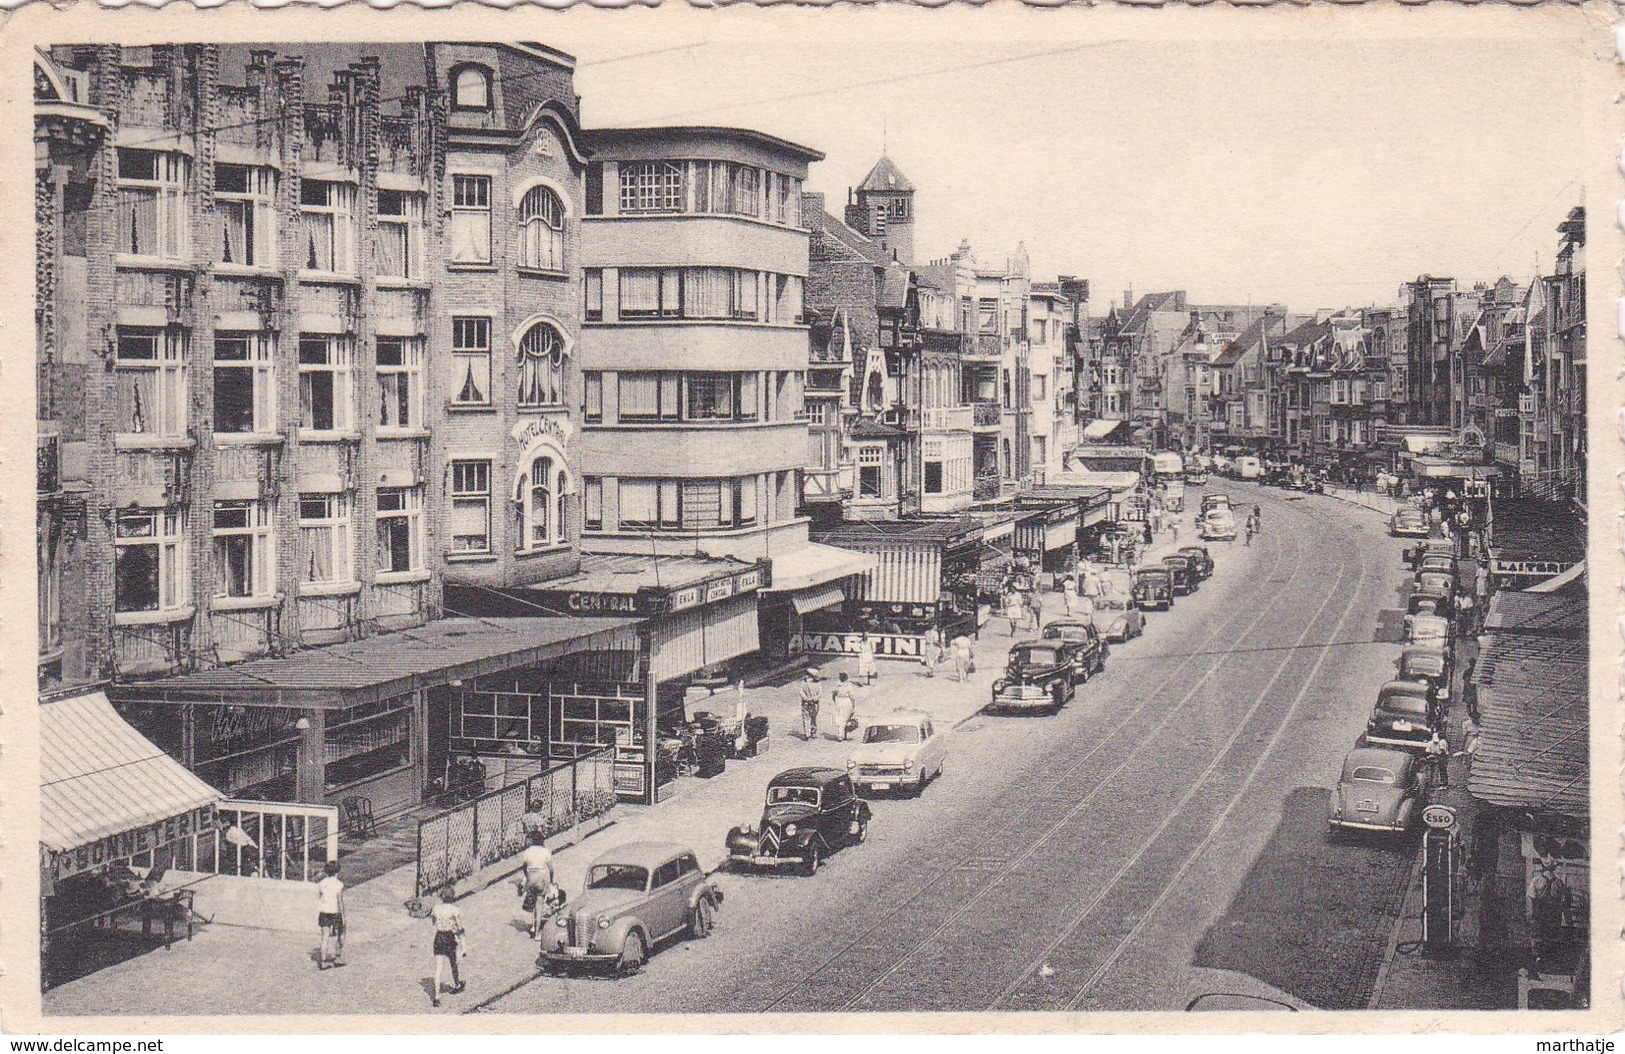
(1386,779)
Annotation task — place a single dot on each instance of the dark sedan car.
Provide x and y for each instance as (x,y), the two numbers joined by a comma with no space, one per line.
(1426,666)
(810,812)
(1201,560)
(1181,573)
(1090,658)
(1038,676)
(1153,588)
(1404,716)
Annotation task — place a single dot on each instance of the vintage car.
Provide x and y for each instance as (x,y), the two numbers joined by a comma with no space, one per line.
(1090,658)
(1182,573)
(1201,560)
(904,751)
(1195,477)
(1403,717)
(1214,501)
(1117,619)
(1438,562)
(1429,602)
(810,812)
(1433,630)
(1408,522)
(1379,790)
(1153,588)
(1038,676)
(636,896)
(1427,666)
(1416,554)
(1219,525)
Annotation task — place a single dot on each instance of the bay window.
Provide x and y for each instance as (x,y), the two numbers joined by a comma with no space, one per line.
(244,555)
(470,506)
(327,226)
(684,505)
(324,535)
(152,218)
(400,234)
(541,366)
(400,382)
(470,219)
(149,372)
(471,361)
(245,196)
(541,230)
(244,395)
(870,459)
(149,560)
(325,403)
(400,529)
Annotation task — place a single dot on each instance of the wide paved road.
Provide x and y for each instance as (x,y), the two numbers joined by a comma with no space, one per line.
(1160,840)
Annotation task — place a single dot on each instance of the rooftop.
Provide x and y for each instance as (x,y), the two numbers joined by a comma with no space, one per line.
(885,176)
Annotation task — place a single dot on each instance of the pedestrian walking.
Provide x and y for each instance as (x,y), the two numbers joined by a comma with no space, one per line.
(448,942)
(1013,610)
(866,659)
(1069,592)
(1466,614)
(811,695)
(1149,540)
(330,917)
(964,657)
(1481,582)
(1035,607)
(846,705)
(536,884)
(1438,755)
(534,819)
(931,647)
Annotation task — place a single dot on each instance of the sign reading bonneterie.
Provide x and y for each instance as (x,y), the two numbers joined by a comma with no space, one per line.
(134,842)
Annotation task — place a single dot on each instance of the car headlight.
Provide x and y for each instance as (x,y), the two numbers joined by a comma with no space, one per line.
(908,765)
(603,922)
(1000,685)
(851,763)
(1444,693)
(560,921)
(743,828)
(789,830)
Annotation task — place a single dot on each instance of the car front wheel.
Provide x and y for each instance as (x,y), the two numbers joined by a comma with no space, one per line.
(632,954)
(813,858)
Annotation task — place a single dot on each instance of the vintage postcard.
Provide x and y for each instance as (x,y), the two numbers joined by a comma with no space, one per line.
(852,519)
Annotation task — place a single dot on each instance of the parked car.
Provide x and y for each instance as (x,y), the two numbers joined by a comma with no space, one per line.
(1404,716)
(1153,588)
(1195,477)
(1219,525)
(1090,656)
(1214,501)
(637,895)
(1417,554)
(904,751)
(1248,467)
(1421,629)
(1433,580)
(1038,676)
(1408,522)
(1181,573)
(1434,560)
(1429,602)
(1379,790)
(1427,666)
(1201,560)
(1117,619)
(810,812)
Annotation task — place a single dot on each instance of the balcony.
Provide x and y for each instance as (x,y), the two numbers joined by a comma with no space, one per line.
(947,419)
(826,484)
(986,487)
(982,347)
(987,416)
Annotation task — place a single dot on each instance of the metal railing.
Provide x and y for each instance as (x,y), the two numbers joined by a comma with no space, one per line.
(986,414)
(947,419)
(459,842)
(286,841)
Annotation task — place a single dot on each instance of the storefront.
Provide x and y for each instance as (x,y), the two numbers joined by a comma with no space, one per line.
(809,579)
(926,575)
(1075,519)
(354,719)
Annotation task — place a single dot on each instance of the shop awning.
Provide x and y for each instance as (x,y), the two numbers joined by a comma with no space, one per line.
(1534,750)
(1438,468)
(1422,444)
(817,598)
(1095,431)
(100,778)
(815,565)
(391,664)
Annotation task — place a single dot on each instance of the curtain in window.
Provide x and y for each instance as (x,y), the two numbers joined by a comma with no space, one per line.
(541,222)
(640,394)
(470,236)
(708,292)
(541,367)
(138,221)
(319,554)
(747,500)
(541,501)
(318,230)
(749,402)
(640,291)
(393,239)
(639,503)
(702,504)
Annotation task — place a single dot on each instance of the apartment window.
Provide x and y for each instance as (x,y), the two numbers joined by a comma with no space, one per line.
(324,535)
(592,501)
(244,396)
(471,361)
(244,554)
(933,477)
(595,189)
(783,199)
(648,396)
(541,366)
(400,234)
(324,384)
(719,292)
(713,396)
(1040,386)
(1040,450)
(245,196)
(870,459)
(651,186)
(327,224)
(987,315)
(471,88)
(785,301)
(746,199)
(149,560)
(400,382)
(541,230)
(149,371)
(592,403)
(649,292)
(470,506)
(152,203)
(717,503)
(640,504)
(470,220)
(400,529)
(592,285)
(540,497)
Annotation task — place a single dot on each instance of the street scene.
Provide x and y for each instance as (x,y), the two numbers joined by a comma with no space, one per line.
(505,552)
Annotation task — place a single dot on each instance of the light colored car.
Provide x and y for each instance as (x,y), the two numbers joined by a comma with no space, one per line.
(1219,525)
(1408,522)
(903,751)
(1379,790)
(1117,619)
(636,896)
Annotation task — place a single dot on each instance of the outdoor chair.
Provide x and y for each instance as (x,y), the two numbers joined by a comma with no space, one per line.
(358,817)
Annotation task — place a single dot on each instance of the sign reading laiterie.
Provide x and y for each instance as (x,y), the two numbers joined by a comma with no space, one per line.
(1530,568)
(126,844)
(887,645)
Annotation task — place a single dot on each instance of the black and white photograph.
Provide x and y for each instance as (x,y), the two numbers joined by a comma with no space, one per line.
(814,513)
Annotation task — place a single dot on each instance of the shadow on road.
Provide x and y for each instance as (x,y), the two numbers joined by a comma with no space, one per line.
(1314,916)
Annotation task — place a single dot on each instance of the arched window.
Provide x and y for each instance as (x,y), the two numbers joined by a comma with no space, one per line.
(471,88)
(541,230)
(539,502)
(541,366)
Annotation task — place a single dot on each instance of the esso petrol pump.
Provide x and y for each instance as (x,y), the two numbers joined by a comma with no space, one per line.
(1441,864)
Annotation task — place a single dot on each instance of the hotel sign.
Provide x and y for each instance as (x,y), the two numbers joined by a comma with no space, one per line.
(714,590)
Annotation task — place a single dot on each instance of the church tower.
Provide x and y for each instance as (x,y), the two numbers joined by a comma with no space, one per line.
(882,207)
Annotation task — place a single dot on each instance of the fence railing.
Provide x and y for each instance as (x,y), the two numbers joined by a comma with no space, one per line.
(287,841)
(460,842)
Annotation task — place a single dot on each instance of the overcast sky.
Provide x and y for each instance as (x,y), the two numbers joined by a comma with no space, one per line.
(1319,173)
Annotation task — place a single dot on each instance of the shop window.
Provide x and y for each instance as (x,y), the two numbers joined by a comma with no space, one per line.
(324,533)
(152,216)
(541,230)
(325,403)
(245,196)
(367,741)
(400,234)
(244,553)
(400,382)
(327,226)
(471,361)
(400,529)
(244,395)
(149,371)
(541,366)
(149,561)
(471,506)
(470,219)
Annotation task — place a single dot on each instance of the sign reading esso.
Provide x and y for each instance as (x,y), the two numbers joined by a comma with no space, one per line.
(1440,817)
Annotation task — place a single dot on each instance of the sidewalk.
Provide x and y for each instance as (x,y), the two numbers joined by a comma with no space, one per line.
(1367,499)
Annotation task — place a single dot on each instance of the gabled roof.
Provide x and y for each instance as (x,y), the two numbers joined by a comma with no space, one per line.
(935,276)
(885,176)
(834,237)
(864,428)
(1250,338)
(894,287)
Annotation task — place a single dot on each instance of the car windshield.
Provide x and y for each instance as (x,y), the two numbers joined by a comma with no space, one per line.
(1373,774)
(1112,603)
(892,734)
(1034,656)
(618,876)
(1066,633)
(1423,664)
(1151,576)
(803,795)
(1403,703)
